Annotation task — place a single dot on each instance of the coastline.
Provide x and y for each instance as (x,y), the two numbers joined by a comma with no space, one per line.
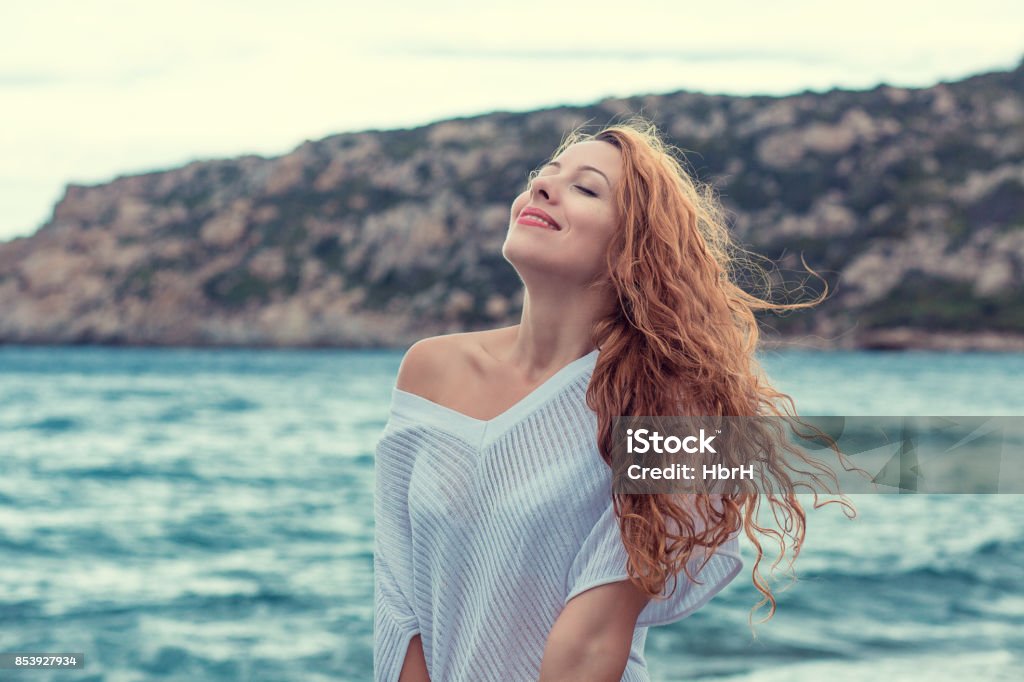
(895,339)
(903,339)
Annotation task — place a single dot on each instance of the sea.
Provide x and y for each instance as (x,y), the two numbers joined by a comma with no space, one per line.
(196,514)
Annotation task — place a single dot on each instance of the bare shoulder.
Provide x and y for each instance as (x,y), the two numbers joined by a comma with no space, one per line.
(423,364)
(432,363)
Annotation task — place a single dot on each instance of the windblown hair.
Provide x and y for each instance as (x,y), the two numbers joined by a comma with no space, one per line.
(681,341)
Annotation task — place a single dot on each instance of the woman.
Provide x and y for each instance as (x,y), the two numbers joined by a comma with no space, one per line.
(502,553)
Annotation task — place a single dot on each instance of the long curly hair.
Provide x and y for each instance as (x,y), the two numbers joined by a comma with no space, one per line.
(681,341)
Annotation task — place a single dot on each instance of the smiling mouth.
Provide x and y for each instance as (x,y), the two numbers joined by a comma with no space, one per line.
(537,221)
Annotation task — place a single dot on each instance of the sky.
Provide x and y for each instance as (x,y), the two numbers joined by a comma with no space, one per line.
(90,90)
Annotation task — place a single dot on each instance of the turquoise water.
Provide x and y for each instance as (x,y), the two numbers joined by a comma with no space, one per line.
(207,515)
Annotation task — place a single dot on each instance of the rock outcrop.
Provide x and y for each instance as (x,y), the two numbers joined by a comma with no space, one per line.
(910,203)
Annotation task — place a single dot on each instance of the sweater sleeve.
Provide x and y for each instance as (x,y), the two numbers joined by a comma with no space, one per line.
(395,622)
(603,559)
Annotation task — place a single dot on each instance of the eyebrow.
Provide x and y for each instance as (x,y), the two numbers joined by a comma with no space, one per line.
(556,164)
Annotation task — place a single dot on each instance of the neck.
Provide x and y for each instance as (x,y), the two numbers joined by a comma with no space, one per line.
(555,329)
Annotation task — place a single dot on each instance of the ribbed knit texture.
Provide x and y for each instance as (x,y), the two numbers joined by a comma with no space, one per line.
(485,529)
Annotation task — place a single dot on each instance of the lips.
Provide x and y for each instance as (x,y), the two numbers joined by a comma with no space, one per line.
(537,217)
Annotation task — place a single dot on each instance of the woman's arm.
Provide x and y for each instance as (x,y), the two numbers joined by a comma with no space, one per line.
(591,638)
(398,647)
(415,667)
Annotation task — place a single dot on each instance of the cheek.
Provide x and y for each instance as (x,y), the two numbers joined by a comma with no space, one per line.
(518,204)
(601,224)
(611,226)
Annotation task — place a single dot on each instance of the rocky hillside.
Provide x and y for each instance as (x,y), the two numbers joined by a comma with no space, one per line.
(909,201)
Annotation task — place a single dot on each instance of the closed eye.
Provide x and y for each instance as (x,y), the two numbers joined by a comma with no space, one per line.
(587,191)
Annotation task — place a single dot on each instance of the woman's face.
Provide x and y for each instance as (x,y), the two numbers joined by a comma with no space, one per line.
(576,191)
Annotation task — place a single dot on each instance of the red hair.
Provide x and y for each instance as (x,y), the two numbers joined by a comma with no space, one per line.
(681,341)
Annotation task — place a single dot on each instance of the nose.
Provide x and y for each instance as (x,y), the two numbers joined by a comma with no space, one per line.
(543,186)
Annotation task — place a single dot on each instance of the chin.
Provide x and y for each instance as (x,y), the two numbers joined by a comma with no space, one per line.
(524,255)
(531,259)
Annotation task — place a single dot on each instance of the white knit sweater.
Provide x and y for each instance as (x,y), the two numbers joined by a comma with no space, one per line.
(485,529)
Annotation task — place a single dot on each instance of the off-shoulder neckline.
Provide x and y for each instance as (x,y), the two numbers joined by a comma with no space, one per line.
(414,406)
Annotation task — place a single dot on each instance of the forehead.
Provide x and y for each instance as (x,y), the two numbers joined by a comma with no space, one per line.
(600,155)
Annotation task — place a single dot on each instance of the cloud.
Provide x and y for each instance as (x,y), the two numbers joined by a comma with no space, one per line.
(92,90)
